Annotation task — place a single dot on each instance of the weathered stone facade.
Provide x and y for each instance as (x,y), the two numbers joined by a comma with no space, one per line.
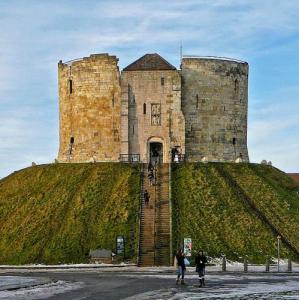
(154,112)
(89,104)
(152,107)
(214,103)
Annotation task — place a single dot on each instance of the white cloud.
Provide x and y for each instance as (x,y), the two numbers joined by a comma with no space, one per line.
(36,34)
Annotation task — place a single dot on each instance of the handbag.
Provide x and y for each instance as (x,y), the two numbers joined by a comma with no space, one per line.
(186,262)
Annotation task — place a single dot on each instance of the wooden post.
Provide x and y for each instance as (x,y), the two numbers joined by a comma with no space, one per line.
(245,265)
(289,265)
(268,265)
(223,263)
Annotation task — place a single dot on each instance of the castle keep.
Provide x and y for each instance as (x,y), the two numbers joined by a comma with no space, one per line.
(152,111)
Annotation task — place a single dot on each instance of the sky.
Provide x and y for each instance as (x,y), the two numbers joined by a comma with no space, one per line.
(36,34)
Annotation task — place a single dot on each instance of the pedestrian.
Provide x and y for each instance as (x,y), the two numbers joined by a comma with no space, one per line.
(146,197)
(180,258)
(200,262)
(150,167)
(151,177)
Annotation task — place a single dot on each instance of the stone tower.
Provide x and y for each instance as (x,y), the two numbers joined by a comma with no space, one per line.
(89,104)
(214,103)
(152,120)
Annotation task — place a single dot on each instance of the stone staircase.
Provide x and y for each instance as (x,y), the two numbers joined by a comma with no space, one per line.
(154,244)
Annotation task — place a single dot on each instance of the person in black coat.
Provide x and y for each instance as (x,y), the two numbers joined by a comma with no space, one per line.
(146,197)
(180,257)
(200,261)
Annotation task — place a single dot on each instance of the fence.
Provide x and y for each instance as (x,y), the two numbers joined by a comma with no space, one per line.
(134,158)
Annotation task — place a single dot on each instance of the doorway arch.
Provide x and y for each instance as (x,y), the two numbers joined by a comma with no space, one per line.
(155,150)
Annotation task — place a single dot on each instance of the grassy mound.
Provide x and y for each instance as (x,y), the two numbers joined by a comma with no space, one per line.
(207,208)
(57,213)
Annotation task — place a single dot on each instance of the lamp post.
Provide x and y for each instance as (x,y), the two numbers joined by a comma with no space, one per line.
(278,251)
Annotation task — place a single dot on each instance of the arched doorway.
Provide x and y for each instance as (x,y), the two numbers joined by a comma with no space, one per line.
(155,153)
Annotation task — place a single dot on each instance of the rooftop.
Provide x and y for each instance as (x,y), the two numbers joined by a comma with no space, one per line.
(149,62)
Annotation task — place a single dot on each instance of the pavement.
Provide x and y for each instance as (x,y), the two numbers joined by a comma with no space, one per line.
(132,283)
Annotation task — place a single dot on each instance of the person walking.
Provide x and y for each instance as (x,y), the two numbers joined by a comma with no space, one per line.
(146,197)
(200,261)
(180,257)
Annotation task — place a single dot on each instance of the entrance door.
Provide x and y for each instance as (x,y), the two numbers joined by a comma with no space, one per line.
(156,153)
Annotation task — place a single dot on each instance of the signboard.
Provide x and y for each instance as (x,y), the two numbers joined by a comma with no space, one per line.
(187,246)
(120,244)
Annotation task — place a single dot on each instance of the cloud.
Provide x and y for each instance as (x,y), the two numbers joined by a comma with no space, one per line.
(35,35)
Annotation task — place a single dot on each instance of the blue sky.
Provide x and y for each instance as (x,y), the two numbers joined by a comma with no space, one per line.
(35,35)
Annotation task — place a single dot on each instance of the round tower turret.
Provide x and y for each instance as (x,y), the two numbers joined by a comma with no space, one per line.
(215,103)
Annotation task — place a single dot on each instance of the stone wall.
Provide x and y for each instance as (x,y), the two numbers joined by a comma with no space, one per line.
(214,102)
(89,104)
(143,93)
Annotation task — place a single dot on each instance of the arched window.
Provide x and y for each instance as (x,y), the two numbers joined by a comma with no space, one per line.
(72,140)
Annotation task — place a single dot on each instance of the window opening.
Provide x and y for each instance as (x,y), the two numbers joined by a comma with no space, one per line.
(236,85)
(144,108)
(71,86)
(234,141)
(156,114)
(197,101)
(162,81)
(71,145)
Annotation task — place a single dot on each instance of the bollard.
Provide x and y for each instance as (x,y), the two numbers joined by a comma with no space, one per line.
(245,265)
(268,265)
(289,265)
(223,263)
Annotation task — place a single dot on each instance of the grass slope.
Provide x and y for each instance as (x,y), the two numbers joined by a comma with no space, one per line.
(57,213)
(208,209)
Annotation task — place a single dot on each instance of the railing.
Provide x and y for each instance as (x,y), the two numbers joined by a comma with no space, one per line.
(180,158)
(135,158)
(141,215)
(214,57)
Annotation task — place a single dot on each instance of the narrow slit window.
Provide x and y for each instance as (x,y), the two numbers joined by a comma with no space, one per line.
(71,86)
(236,85)
(71,145)
(234,141)
(144,108)
(197,101)
(133,129)
(113,100)
(162,81)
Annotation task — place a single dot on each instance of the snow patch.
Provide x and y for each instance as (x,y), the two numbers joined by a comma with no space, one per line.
(40,292)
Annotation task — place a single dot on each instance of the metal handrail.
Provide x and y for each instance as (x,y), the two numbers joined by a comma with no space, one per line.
(69,62)
(141,212)
(214,57)
(135,158)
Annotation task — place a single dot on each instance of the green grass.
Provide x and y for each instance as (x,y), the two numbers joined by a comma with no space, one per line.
(57,213)
(207,209)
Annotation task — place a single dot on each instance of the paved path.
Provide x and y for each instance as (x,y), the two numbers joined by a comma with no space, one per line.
(145,284)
